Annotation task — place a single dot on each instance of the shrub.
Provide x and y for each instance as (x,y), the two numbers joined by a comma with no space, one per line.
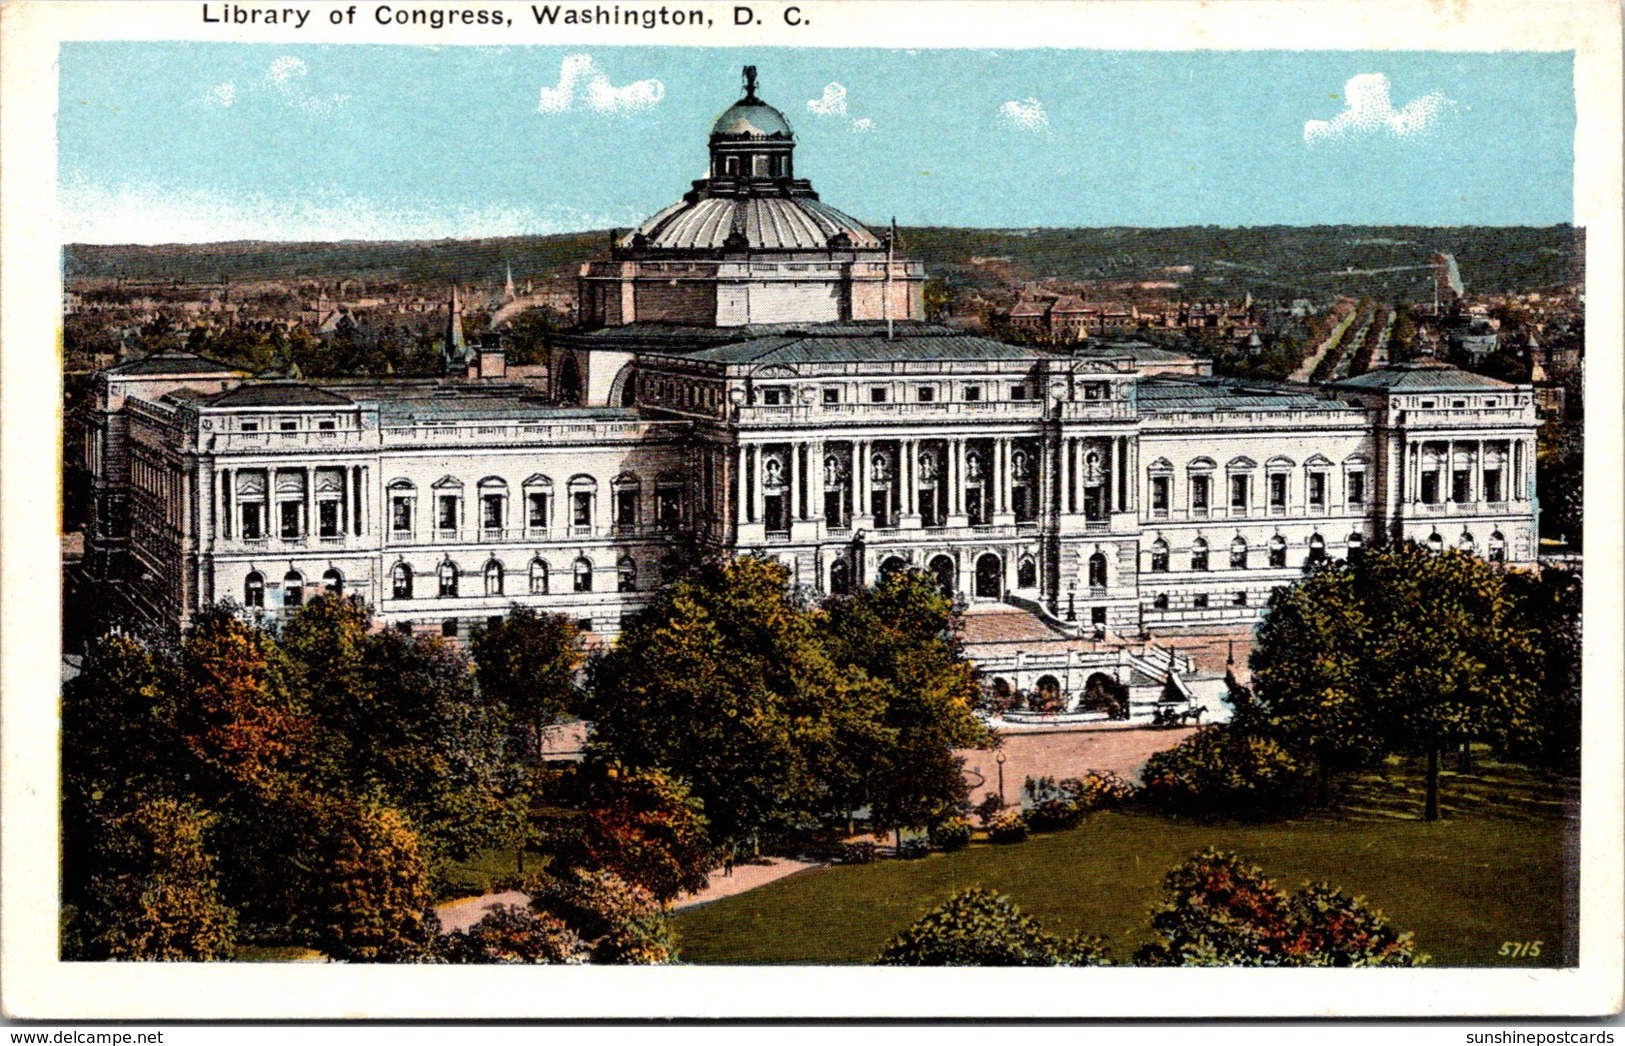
(978,927)
(1220,910)
(990,807)
(514,934)
(951,835)
(1008,827)
(1098,790)
(1053,815)
(623,923)
(860,852)
(1220,771)
(913,848)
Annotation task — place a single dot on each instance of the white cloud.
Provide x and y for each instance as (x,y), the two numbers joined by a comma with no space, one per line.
(220,95)
(1370,110)
(833,103)
(579,76)
(285,77)
(92,213)
(1026,114)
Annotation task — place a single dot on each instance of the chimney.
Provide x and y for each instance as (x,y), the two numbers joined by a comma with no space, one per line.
(493,361)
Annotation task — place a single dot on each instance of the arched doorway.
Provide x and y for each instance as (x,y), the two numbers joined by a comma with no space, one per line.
(947,575)
(1102,693)
(989,576)
(892,564)
(1027,573)
(840,578)
(1047,695)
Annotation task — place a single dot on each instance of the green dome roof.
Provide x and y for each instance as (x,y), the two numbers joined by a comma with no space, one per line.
(751,118)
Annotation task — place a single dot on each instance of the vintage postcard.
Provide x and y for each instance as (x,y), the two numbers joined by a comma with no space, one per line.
(732,510)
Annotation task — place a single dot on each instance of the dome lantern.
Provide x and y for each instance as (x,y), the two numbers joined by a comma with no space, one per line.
(751,145)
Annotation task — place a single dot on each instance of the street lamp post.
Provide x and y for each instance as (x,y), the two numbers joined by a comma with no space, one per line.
(1000,760)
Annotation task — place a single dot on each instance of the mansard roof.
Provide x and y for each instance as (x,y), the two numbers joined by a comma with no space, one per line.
(172,361)
(279,394)
(1422,376)
(1163,394)
(869,344)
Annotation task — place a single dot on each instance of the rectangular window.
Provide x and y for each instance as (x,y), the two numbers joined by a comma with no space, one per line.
(581,508)
(1356,488)
(327,518)
(973,393)
(290,521)
(253,520)
(1159,495)
(1096,390)
(1461,486)
(832,396)
(1018,392)
(251,426)
(1278,490)
(400,515)
(1317,490)
(1427,404)
(1492,485)
(1239,600)
(669,509)
(537,511)
(1199,602)
(287,426)
(1239,494)
(446,512)
(491,511)
(1430,488)
(774,397)
(626,508)
(877,395)
(1201,493)
(927,394)
(327,426)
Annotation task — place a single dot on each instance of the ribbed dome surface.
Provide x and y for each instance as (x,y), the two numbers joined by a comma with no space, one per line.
(767,223)
(749,118)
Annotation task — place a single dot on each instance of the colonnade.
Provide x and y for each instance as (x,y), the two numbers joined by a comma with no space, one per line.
(353,500)
(1514,481)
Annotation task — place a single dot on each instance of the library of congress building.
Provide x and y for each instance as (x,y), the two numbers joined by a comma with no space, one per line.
(751,373)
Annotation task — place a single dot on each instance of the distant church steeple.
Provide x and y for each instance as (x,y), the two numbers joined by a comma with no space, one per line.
(455,349)
(507,288)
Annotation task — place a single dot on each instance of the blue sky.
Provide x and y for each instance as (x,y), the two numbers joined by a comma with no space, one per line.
(194,142)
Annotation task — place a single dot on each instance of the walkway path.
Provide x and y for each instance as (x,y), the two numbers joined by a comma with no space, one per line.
(745,877)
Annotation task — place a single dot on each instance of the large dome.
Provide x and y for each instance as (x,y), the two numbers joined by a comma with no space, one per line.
(797,223)
(751,118)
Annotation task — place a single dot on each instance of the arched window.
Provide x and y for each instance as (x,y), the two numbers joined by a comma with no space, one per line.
(493,578)
(840,578)
(989,576)
(1498,547)
(947,575)
(538,577)
(448,579)
(1317,548)
(254,590)
(1277,551)
(448,628)
(1027,573)
(1199,554)
(1159,601)
(1466,543)
(293,589)
(401,581)
(1238,553)
(1435,542)
(1097,570)
(583,574)
(626,575)
(1356,546)
(333,581)
(1159,556)
(892,564)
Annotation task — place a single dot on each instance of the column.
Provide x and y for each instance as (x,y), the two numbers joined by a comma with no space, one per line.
(1515,463)
(1068,448)
(1449,472)
(758,496)
(744,492)
(860,485)
(815,480)
(228,495)
(310,501)
(792,508)
(364,509)
(998,475)
(1478,470)
(273,525)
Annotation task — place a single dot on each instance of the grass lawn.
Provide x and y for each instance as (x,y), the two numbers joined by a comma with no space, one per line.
(1491,872)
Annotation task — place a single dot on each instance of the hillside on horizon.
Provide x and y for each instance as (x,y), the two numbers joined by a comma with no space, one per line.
(1273,261)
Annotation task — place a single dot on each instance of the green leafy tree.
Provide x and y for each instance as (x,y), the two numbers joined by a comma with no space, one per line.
(640,824)
(1548,603)
(1308,689)
(529,661)
(622,923)
(903,636)
(978,927)
(724,682)
(1447,661)
(1223,770)
(1220,910)
(325,642)
(152,893)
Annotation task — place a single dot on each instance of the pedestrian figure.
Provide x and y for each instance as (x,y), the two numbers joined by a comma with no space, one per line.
(728,864)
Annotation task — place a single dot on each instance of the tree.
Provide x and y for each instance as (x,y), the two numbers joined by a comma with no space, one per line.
(1307,685)
(622,924)
(513,934)
(723,681)
(1548,604)
(978,927)
(326,644)
(152,892)
(1447,661)
(235,712)
(1220,910)
(529,661)
(640,824)
(369,898)
(1224,770)
(903,636)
